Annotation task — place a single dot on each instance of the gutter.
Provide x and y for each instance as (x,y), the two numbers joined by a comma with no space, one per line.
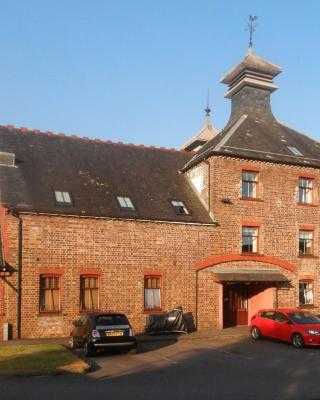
(116,218)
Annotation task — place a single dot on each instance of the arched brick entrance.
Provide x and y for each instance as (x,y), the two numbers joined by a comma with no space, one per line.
(231,288)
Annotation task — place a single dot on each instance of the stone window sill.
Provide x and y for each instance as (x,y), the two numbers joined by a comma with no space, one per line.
(89,311)
(307,306)
(153,311)
(49,313)
(308,204)
(307,256)
(252,199)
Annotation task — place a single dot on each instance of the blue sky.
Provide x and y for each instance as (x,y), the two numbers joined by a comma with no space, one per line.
(138,71)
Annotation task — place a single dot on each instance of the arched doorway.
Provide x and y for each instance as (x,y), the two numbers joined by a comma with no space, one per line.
(235,287)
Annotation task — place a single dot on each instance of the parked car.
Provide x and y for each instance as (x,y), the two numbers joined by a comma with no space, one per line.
(296,326)
(102,330)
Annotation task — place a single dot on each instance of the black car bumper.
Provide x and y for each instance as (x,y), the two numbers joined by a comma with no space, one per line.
(121,342)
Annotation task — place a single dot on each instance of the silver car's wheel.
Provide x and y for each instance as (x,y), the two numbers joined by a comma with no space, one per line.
(255,333)
(297,340)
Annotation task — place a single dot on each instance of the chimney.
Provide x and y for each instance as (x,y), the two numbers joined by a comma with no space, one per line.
(250,85)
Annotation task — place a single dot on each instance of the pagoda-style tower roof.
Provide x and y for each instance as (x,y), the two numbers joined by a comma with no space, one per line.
(252,131)
(251,71)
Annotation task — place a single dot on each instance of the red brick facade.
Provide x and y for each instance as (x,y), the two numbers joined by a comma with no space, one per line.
(278,216)
(120,252)
(185,256)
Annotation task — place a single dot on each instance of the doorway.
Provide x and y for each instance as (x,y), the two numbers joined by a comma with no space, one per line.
(235,305)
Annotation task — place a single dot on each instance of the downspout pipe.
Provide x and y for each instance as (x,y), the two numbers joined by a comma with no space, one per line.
(20,260)
(197,297)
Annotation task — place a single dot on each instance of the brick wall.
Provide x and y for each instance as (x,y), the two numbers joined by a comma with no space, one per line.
(276,211)
(120,251)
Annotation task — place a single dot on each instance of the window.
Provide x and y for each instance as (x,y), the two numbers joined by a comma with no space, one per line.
(125,203)
(279,317)
(305,242)
(306,293)
(179,207)
(305,190)
(89,292)
(268,314)
(249,240)
(295,151)
(49,293)
(152,298)
(249,184)
(62,197)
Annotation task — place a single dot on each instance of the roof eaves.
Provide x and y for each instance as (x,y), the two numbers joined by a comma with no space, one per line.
(164,221)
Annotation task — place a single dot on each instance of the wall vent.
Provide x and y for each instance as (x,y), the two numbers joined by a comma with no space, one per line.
(7,159)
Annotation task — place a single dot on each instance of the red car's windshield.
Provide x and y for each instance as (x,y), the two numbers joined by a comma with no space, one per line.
(304,317)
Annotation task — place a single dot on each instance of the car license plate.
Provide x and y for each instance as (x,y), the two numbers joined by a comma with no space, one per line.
(114,333)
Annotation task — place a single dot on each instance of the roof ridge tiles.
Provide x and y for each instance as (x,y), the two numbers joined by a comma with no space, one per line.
(25,130)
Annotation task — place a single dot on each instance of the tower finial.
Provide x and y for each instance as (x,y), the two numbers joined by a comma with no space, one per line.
(207,109)
(251,28)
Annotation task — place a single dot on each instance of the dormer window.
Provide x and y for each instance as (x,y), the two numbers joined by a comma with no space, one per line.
(179,207)
(295,151)
(63,198)
(125,203)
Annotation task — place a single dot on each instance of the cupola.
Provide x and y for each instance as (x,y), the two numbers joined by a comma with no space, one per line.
(250,84)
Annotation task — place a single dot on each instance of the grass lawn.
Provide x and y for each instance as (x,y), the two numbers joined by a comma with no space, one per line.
(39,359)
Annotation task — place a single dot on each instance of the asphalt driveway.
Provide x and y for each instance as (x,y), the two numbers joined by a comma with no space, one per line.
(218,368)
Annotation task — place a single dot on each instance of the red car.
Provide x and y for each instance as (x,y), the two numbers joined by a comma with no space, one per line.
(296,326)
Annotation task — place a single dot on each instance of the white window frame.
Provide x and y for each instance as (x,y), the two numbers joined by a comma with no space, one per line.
(295,151)
(126,203)
(152,295)
(179,207)
(305,191)
(306,237)
(249,184)
(306,292)
(253,233)
(62,197)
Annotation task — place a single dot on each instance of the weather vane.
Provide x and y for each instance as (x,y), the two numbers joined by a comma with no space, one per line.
(207,109)
(251,27)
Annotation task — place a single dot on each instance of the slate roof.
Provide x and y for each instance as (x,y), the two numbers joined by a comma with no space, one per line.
(259,136)
(95,172)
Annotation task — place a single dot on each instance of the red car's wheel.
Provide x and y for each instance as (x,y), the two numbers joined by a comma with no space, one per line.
(255,333)
(297,340)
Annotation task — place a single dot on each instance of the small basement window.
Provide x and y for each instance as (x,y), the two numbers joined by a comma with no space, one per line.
(179,207)
(125,203)
(62,197)
(295,151)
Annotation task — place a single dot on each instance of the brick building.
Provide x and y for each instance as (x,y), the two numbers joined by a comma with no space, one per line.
(222,231)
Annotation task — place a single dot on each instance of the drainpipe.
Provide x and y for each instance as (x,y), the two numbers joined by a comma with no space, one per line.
(209,186)
(197,289)
(20,250)
(20,277)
